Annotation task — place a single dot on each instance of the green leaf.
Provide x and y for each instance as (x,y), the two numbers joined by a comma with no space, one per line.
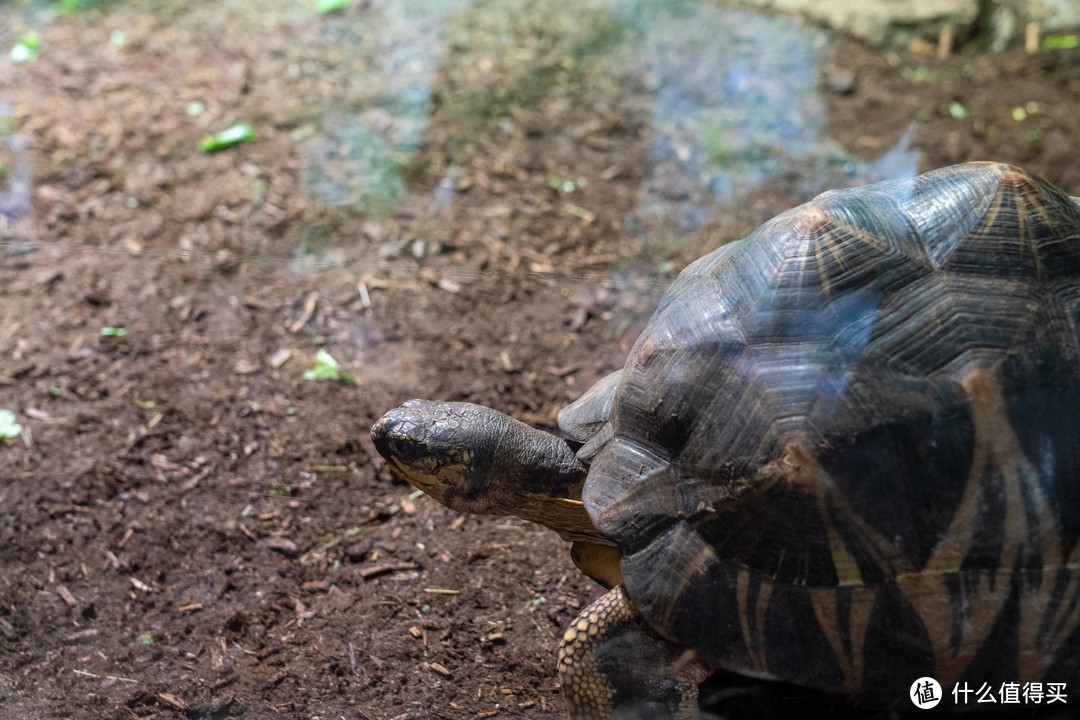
(1061,42)
(112,332)
(31,39)
(241,132)
(9,427)
(328,6)
(70,6)
(326,367)
(26,49)
(957,110)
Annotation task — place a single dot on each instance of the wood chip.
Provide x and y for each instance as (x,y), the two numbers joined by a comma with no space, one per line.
(946,38)
(113,678)
(66,596)
(920,46)
(283,545)
(1031,38)
(564,370)
(81,636)
(140,585)
(440,670)
(132,245)
(310,302)
(245,367)
(172,701)
(162,462)
(494,638)
(613,172)
(579,212)
(280,357)
(190,484)
(193,607)
(36,414)
(448,285)
(377,570)
(379,283)
(278,678)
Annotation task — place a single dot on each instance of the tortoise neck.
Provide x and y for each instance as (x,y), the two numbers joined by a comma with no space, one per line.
(536,476)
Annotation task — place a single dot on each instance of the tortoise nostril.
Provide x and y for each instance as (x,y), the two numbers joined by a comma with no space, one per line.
(390,435)
(386,436)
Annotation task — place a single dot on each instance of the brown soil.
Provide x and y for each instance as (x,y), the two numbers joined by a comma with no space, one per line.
(191,529)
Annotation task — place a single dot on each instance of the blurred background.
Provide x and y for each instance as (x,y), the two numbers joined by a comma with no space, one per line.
(233,234)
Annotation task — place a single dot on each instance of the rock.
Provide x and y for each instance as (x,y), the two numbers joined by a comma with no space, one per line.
(840,79)
(879,22)
(895,23)
(1050,15)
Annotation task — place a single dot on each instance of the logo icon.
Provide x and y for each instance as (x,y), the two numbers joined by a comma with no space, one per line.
(925,693)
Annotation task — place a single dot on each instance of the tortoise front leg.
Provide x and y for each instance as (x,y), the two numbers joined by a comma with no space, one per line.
(613,665)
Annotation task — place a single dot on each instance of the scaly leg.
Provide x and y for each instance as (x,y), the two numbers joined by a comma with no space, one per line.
(613,665)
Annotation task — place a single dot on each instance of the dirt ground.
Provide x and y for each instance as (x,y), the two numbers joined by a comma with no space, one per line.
(189,528)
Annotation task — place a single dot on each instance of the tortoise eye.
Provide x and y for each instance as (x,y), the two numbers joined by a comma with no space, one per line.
(402,447)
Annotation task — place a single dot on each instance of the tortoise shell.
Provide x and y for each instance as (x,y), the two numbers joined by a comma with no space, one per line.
(843,452)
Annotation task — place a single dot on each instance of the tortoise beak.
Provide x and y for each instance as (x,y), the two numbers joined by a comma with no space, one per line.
(381,431)
(399,436)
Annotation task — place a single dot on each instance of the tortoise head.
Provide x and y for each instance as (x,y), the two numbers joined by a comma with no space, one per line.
(439,448)
(475,459)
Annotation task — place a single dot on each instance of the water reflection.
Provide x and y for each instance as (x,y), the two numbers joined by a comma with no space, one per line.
(15,177)
(736,104)
(734,101)
(729,100)
(358,155)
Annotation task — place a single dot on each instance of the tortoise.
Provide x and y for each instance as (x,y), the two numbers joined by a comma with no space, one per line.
(842,454)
